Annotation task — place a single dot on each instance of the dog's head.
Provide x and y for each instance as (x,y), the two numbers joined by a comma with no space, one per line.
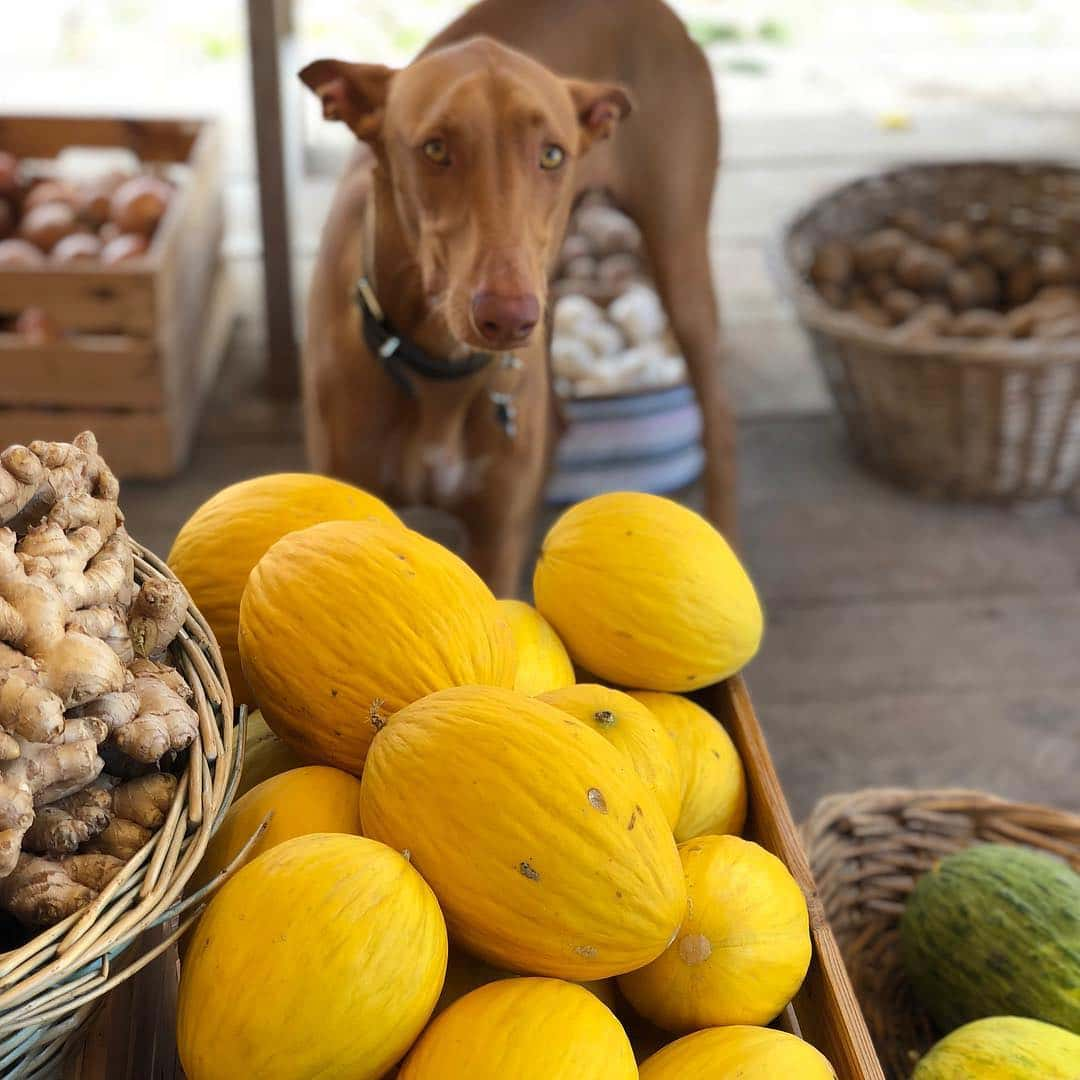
(480,143)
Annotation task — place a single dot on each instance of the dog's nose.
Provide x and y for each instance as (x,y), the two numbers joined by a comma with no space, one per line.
(505,320)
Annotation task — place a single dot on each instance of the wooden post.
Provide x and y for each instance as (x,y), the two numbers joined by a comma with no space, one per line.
(269,32)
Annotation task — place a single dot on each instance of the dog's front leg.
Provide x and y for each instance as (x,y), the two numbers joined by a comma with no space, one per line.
(498,547)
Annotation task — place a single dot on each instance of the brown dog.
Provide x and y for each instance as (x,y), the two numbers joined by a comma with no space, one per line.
(454,212)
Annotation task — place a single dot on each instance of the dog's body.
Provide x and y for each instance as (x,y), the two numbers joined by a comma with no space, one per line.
(434,248)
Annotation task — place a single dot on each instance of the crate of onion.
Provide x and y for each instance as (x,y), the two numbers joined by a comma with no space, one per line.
(113,306)
(542,841)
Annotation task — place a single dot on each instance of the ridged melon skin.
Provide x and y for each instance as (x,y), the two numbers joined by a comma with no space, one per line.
(994,930)
(523,1029)
(547,852)
(1003,1048)
(350,619)
(322,958)
(543,663)
(632,728)
(738,1053)
(219,545)
(644,592)
(466,973)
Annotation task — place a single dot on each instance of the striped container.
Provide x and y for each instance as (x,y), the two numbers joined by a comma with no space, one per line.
(646,441)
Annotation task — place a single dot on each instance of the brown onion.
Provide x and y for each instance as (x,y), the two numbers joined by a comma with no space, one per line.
(49,191)
(9,174)
(124,247)
(45,226)
(37,326)
(19,254)
(139,204)
(78,247)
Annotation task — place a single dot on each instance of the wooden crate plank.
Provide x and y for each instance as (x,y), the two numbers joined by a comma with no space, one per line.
(826,1008)
(30,135)
(110,372)
(142,444)
(134,443)
(108,300)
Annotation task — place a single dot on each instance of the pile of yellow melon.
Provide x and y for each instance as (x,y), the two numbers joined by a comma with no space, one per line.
(475,865)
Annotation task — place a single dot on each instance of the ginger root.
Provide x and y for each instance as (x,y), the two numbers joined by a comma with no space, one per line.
(59,828)
(157,613)
(41,774)
(165,722)
(146,799)
(63,826)
(122,839)
(67,482)
(40,892)
(83,680)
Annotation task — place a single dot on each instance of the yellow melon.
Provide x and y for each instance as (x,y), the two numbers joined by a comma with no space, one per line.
(323,957)
(542,660)
(466,973)
(750,1053)
(525,1029)
(742,950)
(265,755)
(644,592)
(348,621)
(713,778)
(546,851)
(311,799)
(632,728)
(220,543)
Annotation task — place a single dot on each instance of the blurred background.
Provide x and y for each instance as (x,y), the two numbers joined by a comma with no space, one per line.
(910,641)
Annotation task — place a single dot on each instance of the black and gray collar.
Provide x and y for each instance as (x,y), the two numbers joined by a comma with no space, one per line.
(401,357)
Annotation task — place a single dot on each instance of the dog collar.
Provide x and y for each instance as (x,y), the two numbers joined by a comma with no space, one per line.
(401,357)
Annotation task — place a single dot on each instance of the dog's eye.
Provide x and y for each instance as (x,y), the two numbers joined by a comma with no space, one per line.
(435,150)
(552,156)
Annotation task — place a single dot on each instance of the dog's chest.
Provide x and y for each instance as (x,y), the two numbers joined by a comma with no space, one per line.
(443,458)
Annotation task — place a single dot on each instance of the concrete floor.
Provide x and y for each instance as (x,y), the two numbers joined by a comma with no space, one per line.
(908,643)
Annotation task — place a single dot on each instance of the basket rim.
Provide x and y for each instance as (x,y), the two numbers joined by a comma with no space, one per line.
(817,315)
(49,986)
(829,809)
(867,848)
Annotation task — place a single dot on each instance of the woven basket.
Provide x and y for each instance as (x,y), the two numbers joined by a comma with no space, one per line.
(961,418)
(866,852)
(50,986)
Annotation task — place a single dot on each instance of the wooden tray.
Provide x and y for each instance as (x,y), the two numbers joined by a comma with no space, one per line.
(126,1043)
(144,338)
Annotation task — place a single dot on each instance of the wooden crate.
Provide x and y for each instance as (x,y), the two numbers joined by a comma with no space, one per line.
(146,337)
(825,1011)
(123,1043)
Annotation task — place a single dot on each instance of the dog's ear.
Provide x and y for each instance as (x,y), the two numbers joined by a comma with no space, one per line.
(599,106)
(352,93)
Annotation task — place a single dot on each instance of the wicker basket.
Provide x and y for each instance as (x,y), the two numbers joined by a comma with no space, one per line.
(992,420)
(50,986)
(866,852)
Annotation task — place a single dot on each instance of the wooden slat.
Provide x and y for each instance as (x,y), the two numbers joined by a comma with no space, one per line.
(116,300)
(47,136)
(143,444)
(826,1009)
(136,444)
(110,372)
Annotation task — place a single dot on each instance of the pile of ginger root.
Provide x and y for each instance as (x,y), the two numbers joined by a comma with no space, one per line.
(89,706)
